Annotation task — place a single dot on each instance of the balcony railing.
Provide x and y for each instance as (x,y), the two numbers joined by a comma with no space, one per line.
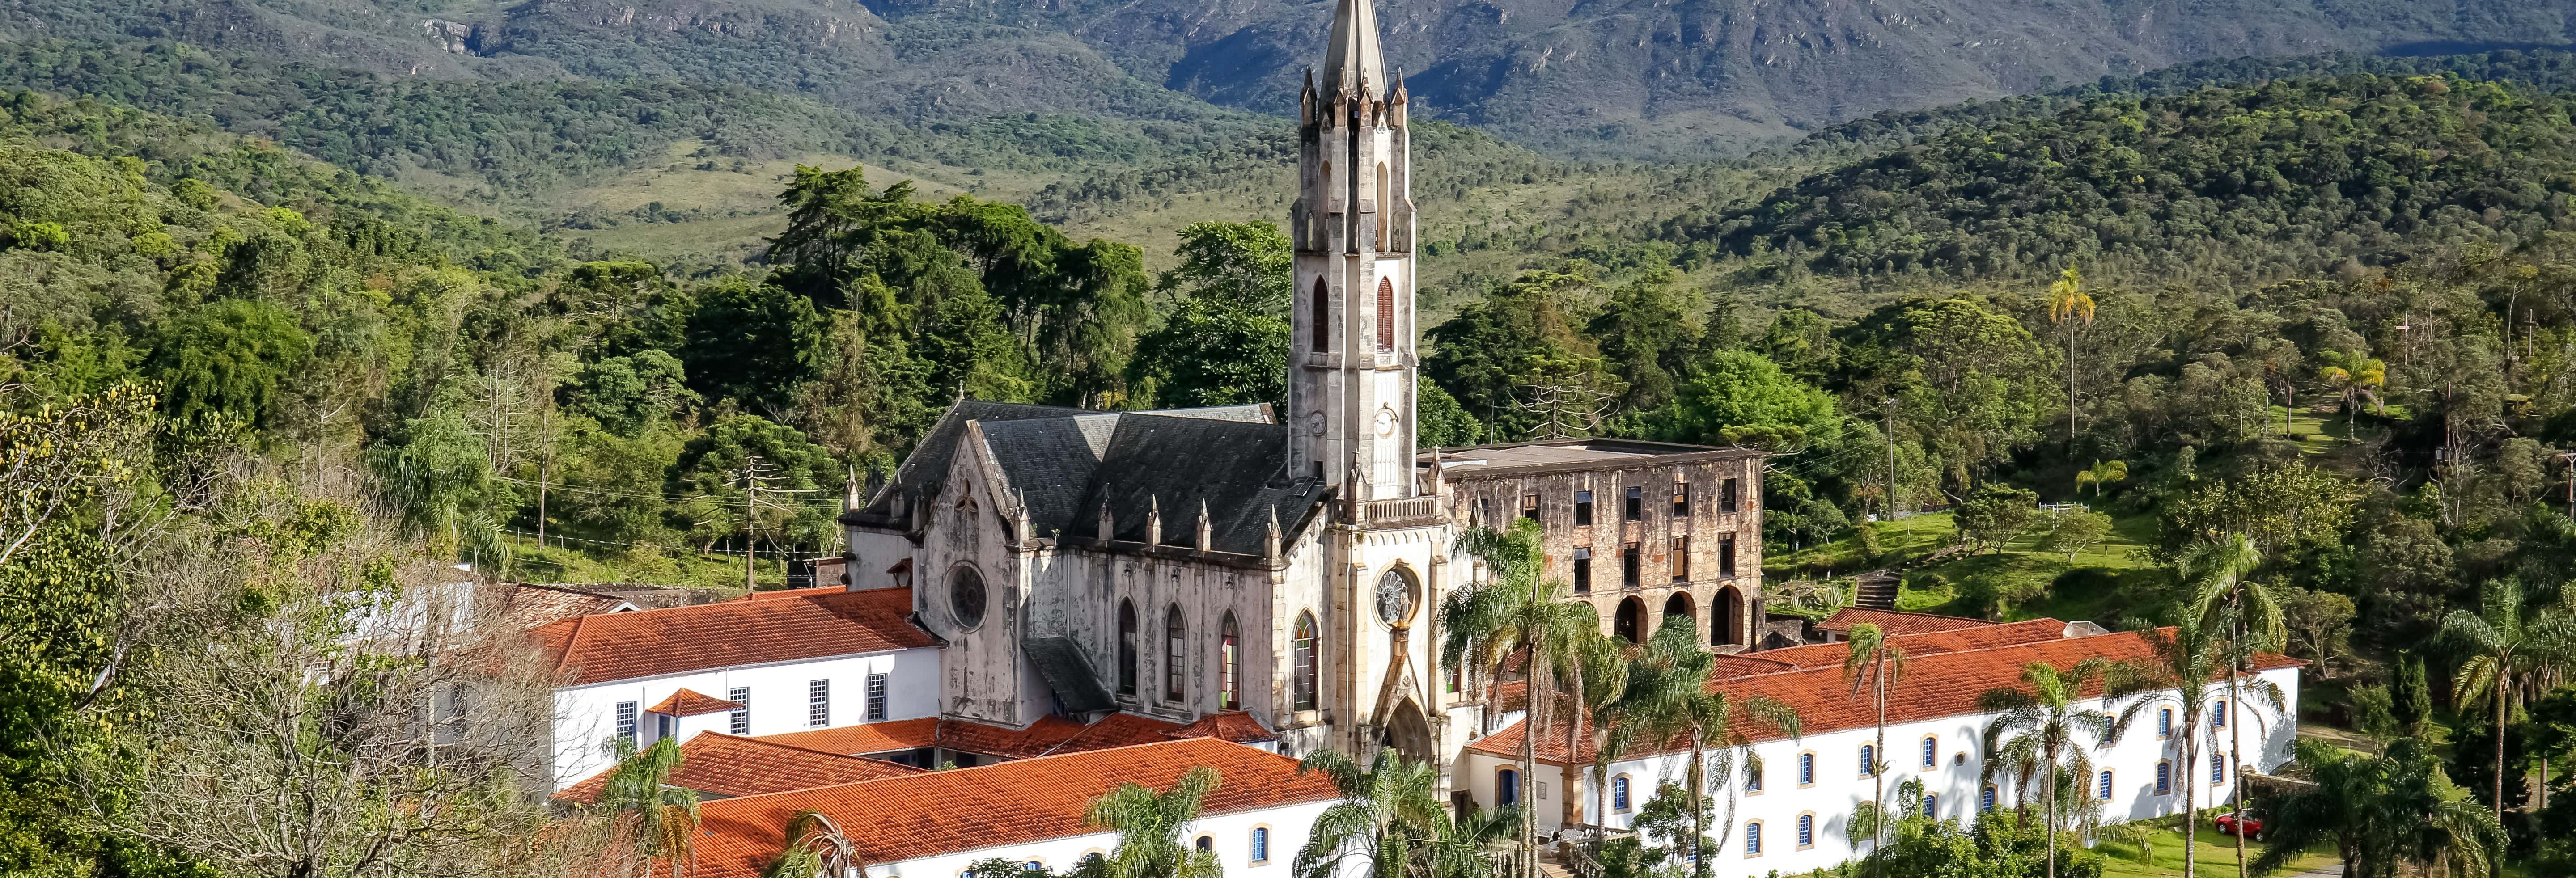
(1404,511)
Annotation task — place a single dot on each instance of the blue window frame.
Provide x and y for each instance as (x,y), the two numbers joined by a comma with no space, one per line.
(1868,760)
(1931,751)
(2105,784)
(1507,787)
(2164,778)
(1986,799)
(2164,723)
(1753,837)
(2217,768)
(1806,769)
(1753,776)
(1619,793)
(1806,830)
(1260,843)
(1931,805)
(2218,714)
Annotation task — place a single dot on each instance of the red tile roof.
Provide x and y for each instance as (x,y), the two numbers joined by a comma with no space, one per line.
(651,643)
(1050,734)
(1818,655)
(1937,684)
(726,765)
(1895,623)
(1008,803)
(691,702)
(1233,725)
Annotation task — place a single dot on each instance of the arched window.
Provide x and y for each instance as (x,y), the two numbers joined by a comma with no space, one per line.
(1986,798)
(1229,663)
(1323,317)
(1931,751)
(1868,760)
(1261,844)
(1753,775)
(1385,314)
(1305,660)
(1175,653)
(1207,843)
(1931,805)
(1753,838)
(1806,830)
(2217,768)
(1507,788)
(1126,647)
(1806,769)
(2164,723)
(2164,778)
(1619,793)
(2218,714)
(2104,793)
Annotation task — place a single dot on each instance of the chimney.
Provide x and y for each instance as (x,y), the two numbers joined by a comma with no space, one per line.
(1207,532)
(1154,520)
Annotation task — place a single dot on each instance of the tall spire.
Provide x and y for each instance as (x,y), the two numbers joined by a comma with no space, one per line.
(1354,61)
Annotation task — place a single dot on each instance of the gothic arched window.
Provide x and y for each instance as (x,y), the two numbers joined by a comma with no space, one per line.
(1385,314)
(1175,653)
(1229,664)
(1126,647)
(1323,317)
(1385,208)
(1305,659)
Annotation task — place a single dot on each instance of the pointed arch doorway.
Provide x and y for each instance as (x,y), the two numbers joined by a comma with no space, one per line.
(1409,732)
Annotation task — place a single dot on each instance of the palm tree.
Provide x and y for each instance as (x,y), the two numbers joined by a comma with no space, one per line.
(1391,815)
(2379,813)
(2069,306)
(2182,662)
(2253,616)
(1669,697)
(817,848)
(1516,617)
(1596,669)
(2512,656)
(664,817)
(2044,723)
(1873,662)
(2101,475)
(1150,826)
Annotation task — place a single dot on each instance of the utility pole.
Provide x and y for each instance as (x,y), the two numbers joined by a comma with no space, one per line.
(752,473)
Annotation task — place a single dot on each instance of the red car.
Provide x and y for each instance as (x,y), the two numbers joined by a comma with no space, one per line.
(2252,819)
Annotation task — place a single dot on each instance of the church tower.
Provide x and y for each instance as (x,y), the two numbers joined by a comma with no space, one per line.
(1351,363)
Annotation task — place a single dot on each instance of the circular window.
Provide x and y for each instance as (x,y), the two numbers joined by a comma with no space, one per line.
(966,597)
(1395,596)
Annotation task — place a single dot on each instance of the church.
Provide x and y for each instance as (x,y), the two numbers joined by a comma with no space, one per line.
(1288,564)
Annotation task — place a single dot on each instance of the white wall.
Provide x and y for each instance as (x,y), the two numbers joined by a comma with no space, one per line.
(1289,826)
(586,716)
(1840,785)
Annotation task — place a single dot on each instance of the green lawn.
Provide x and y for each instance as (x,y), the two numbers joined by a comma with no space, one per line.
(2100,584)
(2214,855)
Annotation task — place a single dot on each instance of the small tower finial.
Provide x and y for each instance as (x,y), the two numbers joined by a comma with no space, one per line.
(1207,529)
(1270,543)
(852,501)
(1154,520)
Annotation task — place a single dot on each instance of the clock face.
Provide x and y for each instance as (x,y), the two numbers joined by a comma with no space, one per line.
(1394,597)
(1385,422)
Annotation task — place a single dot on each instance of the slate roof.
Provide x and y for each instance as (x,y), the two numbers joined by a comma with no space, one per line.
(1059,661)
(650,643)
(1066,464)
(969,809)
(1939,683)
(725,765)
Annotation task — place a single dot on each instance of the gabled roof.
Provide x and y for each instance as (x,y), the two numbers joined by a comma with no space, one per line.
(725,765)
(1068,464)
(1895,623)
(1009,803)
(691,702)
(1233,725)
(528,605)
(1938,683)
(652,643)
(1048,735)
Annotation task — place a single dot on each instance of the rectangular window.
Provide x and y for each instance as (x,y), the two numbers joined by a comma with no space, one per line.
(1752,838)
(1529,505)
(876,697)
(2218,715)
(1753,777)
(818,703)
(1619,793)
(626,721)
(1628,566)
(1931,805)
(665,725)
(1681,499)
(740,722)
(1261,844)
(1986,799)
(1582,509)
(1868,760)
(1726,496)
(1582,570)
(2217,768)
(1633,508)
(1726,555)
(1681,559)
